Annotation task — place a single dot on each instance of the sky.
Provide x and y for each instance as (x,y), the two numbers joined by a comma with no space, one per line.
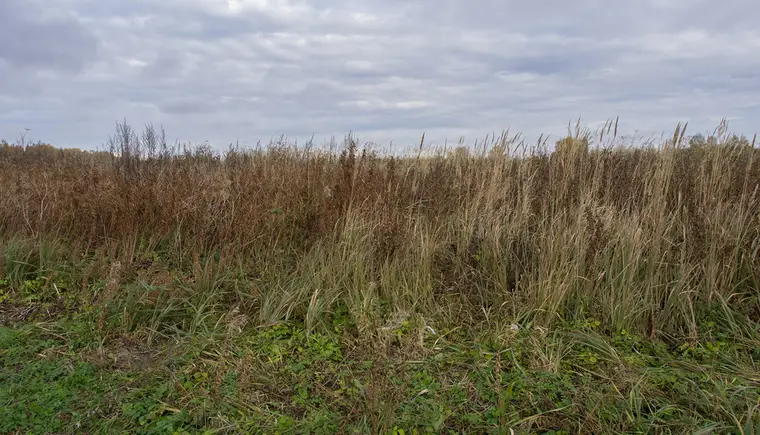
(244,71)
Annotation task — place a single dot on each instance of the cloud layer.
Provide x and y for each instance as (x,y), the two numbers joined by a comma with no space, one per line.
(248,70)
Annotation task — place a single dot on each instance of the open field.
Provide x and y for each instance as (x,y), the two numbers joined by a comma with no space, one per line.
(592,289)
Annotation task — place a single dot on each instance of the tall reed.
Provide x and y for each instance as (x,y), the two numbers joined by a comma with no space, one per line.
(645,238)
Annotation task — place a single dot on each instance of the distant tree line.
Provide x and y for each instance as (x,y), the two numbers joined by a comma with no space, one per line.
(42,152)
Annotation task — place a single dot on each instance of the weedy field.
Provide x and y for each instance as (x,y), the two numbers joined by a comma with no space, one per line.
(593,287)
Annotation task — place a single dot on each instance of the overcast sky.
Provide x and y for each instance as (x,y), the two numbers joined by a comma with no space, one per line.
(248,70)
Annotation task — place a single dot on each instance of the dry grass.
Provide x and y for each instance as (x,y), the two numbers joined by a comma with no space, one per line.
(494,267)
(640,237)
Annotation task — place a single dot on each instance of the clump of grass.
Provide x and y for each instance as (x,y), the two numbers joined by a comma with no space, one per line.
(595,263)
(642,238)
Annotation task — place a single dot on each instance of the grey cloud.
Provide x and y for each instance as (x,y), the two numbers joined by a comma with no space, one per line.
(42,43)
(384,70)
